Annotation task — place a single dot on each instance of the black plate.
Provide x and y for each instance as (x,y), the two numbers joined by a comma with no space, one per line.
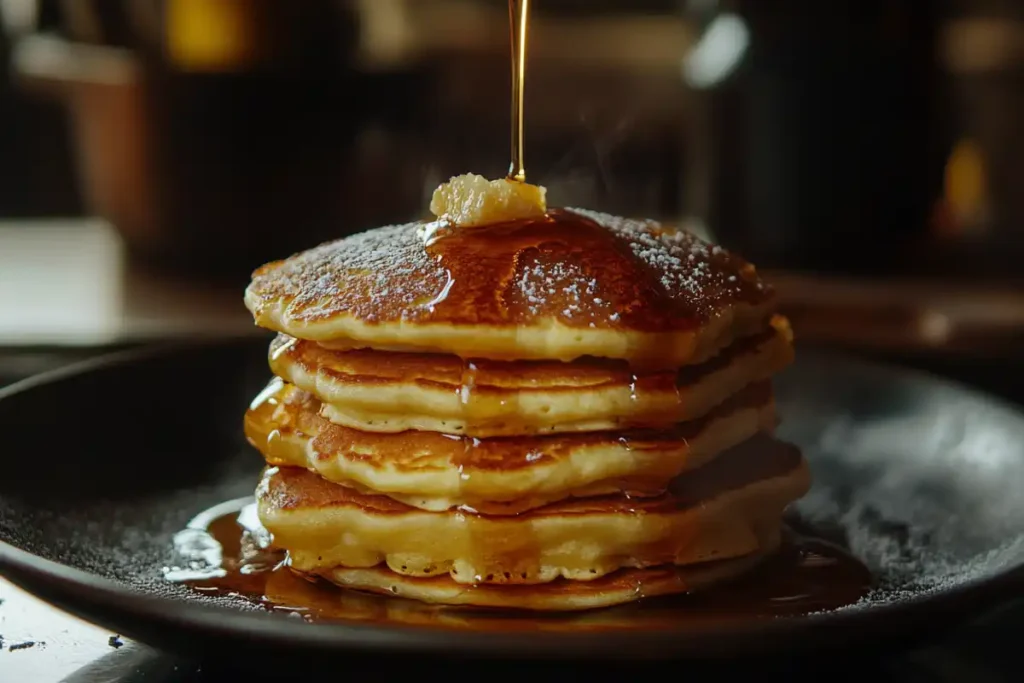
(103,462)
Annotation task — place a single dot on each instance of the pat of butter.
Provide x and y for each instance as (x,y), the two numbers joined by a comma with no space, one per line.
(471,199)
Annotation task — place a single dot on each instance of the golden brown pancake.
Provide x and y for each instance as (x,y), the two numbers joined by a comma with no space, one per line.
(379,391)
(561,595)
(571,284)
(559,412)
(501,475)
(728,508)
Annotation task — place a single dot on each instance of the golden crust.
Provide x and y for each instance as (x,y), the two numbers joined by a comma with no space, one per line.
(571,284)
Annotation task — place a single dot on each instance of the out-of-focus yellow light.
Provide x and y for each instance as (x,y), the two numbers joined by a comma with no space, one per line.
(965,180)
(210,35)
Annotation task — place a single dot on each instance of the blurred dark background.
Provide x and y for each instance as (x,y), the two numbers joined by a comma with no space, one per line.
(868,153)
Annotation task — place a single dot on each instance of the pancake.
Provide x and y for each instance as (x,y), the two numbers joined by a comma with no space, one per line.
(728,508)
(380,391)
(505,475)
(620,587)
(570,284)
(372,595)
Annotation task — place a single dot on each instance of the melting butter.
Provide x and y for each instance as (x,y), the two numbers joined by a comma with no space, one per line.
(471,199)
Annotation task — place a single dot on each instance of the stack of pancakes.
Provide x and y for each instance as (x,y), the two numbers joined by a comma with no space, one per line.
(562,412)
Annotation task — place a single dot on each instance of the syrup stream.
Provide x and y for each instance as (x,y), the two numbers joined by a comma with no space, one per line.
(518,14)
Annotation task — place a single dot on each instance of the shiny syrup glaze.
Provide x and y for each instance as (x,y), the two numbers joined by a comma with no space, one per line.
(755,460)
(584,273)
(758,459)
(580,268)
(655,399)
(376,367)
(489,391)
(226,555)
(281,411)
(510,453)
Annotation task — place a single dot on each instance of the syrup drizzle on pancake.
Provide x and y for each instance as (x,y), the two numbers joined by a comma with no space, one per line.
(587,270)
(493,398)
(281,411)
(584,269)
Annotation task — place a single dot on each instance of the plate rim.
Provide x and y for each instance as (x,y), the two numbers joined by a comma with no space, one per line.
(75,586)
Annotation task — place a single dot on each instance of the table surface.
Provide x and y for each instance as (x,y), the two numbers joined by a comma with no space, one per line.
(69,282)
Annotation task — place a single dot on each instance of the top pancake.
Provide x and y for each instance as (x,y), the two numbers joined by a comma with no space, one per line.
(573,283)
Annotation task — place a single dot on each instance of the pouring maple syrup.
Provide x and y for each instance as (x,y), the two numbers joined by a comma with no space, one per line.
(519,21)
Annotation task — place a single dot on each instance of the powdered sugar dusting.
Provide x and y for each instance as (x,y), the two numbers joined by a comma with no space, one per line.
(565,281)
(366,275)
(916,573)
(687,267)
(583,268)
